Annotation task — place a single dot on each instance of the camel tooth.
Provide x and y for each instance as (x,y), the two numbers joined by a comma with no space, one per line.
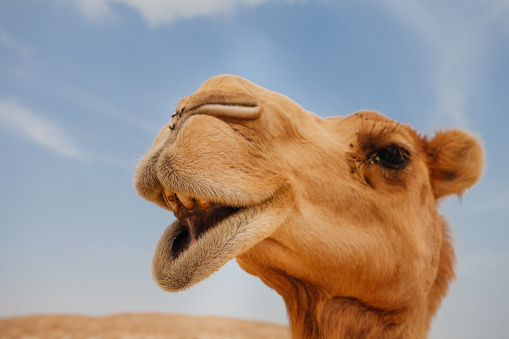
(166,201)
(167,192)
(203,203)
(171,200)
(174,205)
(188,202)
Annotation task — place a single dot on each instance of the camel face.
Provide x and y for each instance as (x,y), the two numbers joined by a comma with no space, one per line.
(345,206)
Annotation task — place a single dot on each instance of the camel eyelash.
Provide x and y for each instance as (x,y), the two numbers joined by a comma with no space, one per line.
(372,136)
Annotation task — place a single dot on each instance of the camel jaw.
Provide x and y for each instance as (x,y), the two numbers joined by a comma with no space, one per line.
(179,263)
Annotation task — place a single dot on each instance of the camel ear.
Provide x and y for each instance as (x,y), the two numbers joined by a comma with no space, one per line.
(456,162)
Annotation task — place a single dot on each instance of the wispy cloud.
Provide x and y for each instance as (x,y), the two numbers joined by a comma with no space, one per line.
(457,35)
(8,41)
(159,12)
(95,10)
(38,129)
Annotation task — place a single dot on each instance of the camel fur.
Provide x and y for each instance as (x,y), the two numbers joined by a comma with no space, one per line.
(338,215)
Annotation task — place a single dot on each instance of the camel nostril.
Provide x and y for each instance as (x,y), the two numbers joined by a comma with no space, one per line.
(173,121)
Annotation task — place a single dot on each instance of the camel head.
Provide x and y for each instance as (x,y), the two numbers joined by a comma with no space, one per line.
(338,215)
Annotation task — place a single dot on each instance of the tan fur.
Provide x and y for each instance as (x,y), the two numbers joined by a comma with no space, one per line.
(136,326)
(354,245)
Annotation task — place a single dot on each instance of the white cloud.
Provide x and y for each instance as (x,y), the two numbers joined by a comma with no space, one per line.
(95,10)
(457,34)
(39,129)
(10,42)
(159,12)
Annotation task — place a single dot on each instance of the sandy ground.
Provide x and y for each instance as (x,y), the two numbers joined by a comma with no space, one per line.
(136,326)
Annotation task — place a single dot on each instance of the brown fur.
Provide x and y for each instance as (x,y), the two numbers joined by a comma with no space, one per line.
(338,215)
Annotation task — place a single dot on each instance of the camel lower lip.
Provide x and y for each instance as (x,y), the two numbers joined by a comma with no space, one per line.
(179,263)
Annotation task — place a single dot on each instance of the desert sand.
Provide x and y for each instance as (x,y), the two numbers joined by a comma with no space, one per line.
(136,326)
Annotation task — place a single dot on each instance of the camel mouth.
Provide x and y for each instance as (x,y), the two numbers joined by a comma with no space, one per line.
(195,216)
(195,222)
(206,235)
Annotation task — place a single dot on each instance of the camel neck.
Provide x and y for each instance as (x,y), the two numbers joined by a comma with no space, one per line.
(314,315)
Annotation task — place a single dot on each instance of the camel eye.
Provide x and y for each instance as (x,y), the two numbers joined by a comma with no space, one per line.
(393,157)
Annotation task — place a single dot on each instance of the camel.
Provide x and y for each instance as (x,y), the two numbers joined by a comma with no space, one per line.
(338,215)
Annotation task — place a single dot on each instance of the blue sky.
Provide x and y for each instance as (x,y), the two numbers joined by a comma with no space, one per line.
(85,86)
